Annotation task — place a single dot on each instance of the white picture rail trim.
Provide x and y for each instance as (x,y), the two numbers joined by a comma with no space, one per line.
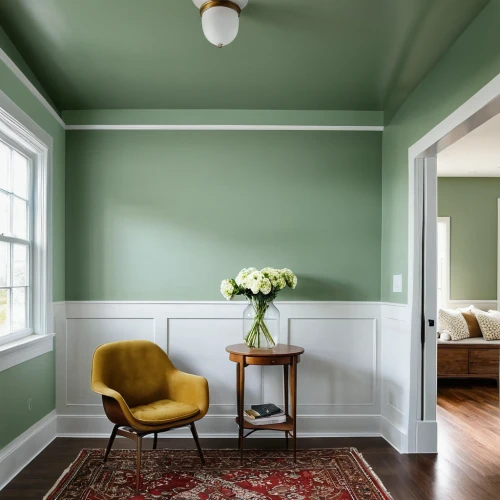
(47,105)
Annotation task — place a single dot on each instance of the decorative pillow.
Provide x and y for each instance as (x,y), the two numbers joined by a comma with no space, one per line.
(453,321)
(489,323)
(472,324)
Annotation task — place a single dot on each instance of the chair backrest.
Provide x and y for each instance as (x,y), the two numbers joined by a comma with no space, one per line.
(137,369)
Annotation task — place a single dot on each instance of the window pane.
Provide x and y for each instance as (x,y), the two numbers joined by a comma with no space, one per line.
(4,213)
(4,312)
(20,175)
(18,309)
(20,219)
(20,263)
(4,166)
(4,263)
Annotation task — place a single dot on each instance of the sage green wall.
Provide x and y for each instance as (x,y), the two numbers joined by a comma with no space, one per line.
(155,215)
(468,65)
(34,379)
(472,204)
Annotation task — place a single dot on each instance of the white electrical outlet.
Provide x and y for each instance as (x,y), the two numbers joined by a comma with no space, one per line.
(397,283)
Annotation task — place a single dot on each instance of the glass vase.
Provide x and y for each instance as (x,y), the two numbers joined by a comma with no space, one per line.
(261,324)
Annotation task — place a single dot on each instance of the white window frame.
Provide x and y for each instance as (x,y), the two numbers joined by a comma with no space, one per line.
(34,141)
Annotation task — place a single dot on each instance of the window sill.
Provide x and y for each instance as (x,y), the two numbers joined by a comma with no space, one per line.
(22,350)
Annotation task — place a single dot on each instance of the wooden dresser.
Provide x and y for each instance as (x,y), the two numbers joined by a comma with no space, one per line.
(470,358)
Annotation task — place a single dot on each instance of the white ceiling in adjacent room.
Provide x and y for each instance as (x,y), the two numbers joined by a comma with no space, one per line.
(475,155)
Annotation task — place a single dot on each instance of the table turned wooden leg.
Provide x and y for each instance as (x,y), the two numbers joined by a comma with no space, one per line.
(293,391)
(285,391)
(241,402)
(238,400)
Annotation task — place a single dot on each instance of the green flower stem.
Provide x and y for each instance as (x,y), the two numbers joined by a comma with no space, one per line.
(252,338)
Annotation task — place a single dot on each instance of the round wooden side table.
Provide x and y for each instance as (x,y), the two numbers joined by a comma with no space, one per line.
(281,355)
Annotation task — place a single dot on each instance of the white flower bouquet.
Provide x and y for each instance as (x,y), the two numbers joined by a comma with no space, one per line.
(260,288)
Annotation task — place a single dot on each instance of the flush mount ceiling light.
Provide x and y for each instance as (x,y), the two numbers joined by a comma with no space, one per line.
(220,19)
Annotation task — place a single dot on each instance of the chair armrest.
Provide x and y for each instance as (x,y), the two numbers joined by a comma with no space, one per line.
(104,390)
(189,389)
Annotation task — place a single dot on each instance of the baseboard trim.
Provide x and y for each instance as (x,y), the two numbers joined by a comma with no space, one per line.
(233,435)
(22,450)
(98,426)
(427,436)
(393,434)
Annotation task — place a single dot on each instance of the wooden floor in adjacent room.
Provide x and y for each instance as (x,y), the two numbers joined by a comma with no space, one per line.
(466,468)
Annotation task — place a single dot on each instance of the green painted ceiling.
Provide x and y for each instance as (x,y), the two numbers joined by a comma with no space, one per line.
(289,54)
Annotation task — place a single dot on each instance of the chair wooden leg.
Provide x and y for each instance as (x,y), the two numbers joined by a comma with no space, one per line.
(111,441)
(155,441)
(139,450)
(197,441)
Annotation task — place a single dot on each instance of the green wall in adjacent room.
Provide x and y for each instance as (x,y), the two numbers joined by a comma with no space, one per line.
(468,65)
(472,204)
(165,215)
(35,378)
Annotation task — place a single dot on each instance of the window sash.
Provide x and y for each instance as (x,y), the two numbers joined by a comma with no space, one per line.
(28,330)
(23,134)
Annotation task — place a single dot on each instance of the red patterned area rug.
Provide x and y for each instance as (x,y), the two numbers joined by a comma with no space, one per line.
(335,474)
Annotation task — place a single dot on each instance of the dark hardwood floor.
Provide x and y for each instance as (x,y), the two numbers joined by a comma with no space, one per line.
(468,463)
(466,468)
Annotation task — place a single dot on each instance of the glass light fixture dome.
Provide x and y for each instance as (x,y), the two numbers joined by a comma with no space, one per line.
(220,19)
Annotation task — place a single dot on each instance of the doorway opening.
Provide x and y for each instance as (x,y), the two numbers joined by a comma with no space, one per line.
(435,279)
(468,192)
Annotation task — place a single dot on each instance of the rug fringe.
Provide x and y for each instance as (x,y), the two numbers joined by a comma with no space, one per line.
(65,472)
(369,467)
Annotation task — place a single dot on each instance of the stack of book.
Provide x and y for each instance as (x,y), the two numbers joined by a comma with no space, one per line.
(266,414)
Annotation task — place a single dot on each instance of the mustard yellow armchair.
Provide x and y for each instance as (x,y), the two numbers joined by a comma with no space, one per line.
(143,392)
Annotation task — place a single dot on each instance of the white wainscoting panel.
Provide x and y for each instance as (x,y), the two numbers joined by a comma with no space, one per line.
(339,376)
(340,365)
(395,359)
(84,335)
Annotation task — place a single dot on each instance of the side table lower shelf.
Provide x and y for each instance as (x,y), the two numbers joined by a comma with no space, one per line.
(285,426)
